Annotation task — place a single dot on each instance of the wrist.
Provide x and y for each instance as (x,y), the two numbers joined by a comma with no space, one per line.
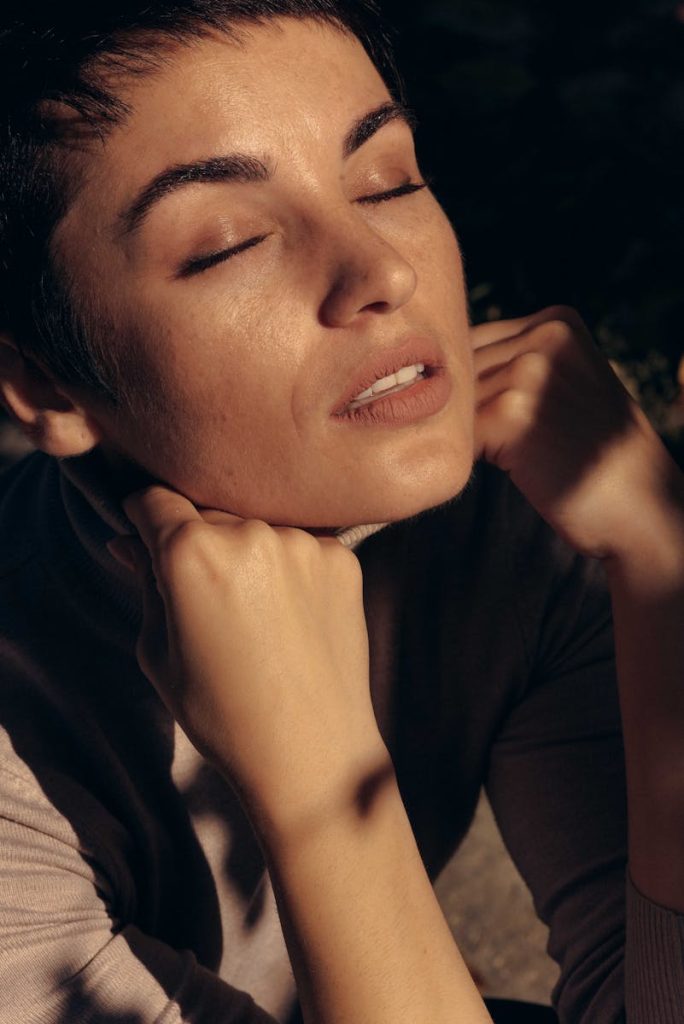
(649,548)
(652,562)
(289,813)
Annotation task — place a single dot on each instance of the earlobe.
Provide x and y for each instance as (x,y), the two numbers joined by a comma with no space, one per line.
(51,419)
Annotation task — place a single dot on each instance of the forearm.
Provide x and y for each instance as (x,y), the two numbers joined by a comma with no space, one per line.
(647,591)
(365,933)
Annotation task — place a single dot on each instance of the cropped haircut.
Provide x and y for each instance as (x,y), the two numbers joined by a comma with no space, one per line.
(58,62)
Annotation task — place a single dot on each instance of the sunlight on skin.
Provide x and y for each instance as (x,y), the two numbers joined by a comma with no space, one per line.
(236,369)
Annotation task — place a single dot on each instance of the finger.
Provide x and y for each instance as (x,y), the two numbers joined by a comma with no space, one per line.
(218,517)
(529,371)
(494,358)
(501,423)
(550,337)
(498,330)
(157,511)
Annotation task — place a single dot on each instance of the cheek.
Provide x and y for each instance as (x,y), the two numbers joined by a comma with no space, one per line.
(448,294)
(170,351)
(204,379)
(437,257)
(450,267)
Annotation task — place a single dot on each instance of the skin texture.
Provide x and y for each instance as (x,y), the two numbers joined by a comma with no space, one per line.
(235,371)
(238,371)
(552,414)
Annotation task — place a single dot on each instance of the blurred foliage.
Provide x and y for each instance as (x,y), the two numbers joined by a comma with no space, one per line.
(555,135)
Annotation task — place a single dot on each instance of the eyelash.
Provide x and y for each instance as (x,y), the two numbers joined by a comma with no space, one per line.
(196,266)
(407,189)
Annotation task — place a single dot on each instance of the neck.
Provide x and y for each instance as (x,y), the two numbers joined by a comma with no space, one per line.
(112,477)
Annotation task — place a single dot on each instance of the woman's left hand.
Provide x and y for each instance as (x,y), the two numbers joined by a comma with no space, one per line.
(551,412)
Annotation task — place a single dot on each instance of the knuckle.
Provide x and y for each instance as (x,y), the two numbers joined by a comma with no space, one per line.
(557,333)
(179,541)
(346,557)
(259,527)
(515,406)
(298,538)
(530,367)
(343,558)
(183,546)
(568,314)
(257,534)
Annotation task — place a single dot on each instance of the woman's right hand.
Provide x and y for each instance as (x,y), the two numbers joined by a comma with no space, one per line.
(255,638)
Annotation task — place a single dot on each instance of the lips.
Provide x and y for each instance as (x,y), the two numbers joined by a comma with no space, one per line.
(385,362)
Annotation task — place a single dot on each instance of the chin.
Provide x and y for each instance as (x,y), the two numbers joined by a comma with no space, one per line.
(395,500)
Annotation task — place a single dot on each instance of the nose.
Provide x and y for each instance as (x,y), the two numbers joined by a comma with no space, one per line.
(368,275)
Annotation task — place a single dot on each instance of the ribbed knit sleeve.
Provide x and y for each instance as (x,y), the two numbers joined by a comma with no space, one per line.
(65,957)
(557,785)
(654,961)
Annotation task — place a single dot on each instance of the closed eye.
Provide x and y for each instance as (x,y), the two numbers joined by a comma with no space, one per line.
(197,265)
(406,189)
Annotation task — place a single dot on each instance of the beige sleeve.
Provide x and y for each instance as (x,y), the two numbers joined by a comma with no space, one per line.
(63,960)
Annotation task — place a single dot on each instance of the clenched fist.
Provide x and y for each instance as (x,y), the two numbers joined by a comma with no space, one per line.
(551,412)
(255,638)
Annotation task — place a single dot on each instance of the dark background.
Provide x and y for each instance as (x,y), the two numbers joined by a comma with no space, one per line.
(555,135)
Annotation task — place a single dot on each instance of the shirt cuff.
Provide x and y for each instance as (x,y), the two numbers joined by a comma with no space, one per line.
(654,960)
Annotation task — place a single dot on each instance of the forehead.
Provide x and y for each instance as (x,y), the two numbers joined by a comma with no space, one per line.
(287,82)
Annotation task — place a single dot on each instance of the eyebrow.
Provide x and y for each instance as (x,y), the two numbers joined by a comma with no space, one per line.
(237,167)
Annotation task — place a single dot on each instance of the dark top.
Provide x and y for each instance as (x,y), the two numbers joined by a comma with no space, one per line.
(133,887)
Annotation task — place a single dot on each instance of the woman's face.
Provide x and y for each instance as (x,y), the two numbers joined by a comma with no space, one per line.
(236,365)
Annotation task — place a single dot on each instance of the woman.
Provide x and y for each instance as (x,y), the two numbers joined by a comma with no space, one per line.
(237,332)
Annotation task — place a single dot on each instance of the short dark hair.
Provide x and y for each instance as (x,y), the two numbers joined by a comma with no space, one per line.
(62,57)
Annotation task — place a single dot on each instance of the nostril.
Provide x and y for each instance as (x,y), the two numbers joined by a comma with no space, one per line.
(380,307)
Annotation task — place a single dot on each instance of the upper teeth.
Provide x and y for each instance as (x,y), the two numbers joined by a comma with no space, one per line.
(402,376)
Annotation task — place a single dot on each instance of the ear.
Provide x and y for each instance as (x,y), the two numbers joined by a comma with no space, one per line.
(51,419)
